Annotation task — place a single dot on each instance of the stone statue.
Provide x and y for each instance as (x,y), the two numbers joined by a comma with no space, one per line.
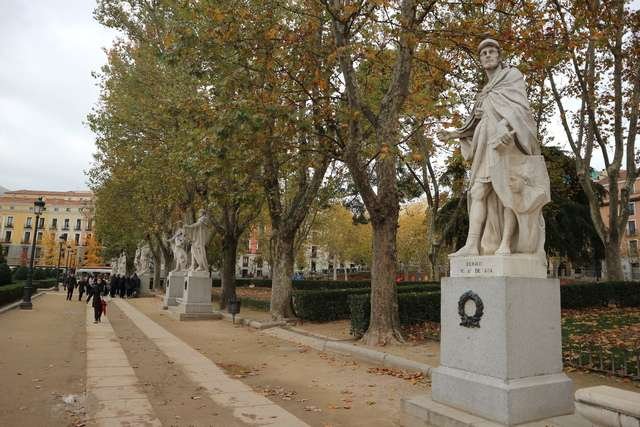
(122,264)
(142,259)
(509,180)
(199,233)
(178,244)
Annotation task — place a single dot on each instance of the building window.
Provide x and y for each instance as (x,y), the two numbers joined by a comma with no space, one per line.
(78,224)
(38,251)
(64,236)
(66,224)
(313,266)
(77,238)
(89,225)
(245,261)
(27,237)
(7,236)
(632,208)
(68,209)
(28,223)
(633,248)
(55,209)
(39,236)
(41,224)
(314,252)
(9,222)
(631,228)
(54,223)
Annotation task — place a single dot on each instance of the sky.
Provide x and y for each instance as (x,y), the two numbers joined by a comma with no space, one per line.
(48,51)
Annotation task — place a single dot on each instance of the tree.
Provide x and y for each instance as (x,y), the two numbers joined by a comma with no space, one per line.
(50,249)
(595,46)
(91,256)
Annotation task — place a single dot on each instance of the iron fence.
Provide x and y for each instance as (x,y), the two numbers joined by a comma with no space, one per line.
(618,362)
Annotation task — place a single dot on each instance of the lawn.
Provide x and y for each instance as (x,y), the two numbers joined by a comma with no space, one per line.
(604,339)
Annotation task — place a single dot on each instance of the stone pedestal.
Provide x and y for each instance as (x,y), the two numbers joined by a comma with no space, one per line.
(501,349)
(174,289)
(145,284)
(195,303)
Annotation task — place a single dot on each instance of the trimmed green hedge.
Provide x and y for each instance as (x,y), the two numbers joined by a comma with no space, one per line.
(247,302)
(413,308)
(5,275)
(10,293)
(333,304)
(585,295)
(313,284)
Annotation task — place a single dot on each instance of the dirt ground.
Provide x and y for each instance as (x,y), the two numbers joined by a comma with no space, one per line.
(176,400)
(320,388)
(42,362)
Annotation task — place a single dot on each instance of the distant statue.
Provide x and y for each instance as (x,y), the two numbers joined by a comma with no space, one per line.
(122,263)
(199,234)
(178,244)
(142,259)
(509,180)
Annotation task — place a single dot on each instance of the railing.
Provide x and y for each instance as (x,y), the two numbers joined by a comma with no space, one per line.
(632,232)
(618,362)
(77,229)
(5,241)
(25,241)
(9,225)
(53,227)
(65,228)
(27,226)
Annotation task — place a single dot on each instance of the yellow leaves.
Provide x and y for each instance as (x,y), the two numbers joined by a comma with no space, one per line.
(271,33)
(216,14)
(349,9)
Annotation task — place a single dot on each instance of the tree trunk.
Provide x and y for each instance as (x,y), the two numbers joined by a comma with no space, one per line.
(281,288)
(612,261)
(335,268)
(228,270)
(384,324)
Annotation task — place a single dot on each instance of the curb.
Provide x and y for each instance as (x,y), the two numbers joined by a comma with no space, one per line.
(17,303)
(253,323)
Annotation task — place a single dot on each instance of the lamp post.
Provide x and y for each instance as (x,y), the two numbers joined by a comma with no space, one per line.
(66,271)
(61,242)
(38,208)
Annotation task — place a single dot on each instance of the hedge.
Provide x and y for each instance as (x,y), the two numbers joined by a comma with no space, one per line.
(413,308)
(333,304)
(313,284)
(585,295)
(5,275)
(11,293)
(248,302)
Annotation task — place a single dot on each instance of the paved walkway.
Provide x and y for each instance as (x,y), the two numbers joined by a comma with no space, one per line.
(248,406)
(114,395)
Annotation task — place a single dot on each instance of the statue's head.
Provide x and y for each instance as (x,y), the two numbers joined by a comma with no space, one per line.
(489,52)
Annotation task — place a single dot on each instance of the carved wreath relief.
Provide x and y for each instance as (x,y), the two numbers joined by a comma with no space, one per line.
(474,320)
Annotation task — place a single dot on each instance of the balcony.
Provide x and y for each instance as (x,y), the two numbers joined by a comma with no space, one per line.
(77,228)
(5,241)
(632,232)
(53,227)
(65,228)
(27,226)
(25,241)
(8,225)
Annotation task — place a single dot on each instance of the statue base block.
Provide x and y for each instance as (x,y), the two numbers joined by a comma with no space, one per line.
(516,265)
(195,303)
(145,284)
(174,290)
(501,349)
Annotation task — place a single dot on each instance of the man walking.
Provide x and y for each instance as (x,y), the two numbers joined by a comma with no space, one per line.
(71,283)
(82,286)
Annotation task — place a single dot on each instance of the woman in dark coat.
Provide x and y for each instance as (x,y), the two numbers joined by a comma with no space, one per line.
(97,307)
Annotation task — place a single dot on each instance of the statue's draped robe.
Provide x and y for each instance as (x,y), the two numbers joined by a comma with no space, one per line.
(505,108)
(199,234)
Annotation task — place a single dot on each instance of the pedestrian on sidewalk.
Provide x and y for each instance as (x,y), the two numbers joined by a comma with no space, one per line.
(82,286)
(122,285)
(97,307)
(91,284)
(71,283)
(113,285)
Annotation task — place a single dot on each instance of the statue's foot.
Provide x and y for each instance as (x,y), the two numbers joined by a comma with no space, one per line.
(468,249)
(503,250)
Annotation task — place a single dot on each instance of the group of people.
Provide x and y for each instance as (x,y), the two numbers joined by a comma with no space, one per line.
(97,287)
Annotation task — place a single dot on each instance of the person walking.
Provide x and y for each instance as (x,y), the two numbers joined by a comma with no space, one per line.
(82,286)
(71,284)
(97,307)
(90,288)
(113,285)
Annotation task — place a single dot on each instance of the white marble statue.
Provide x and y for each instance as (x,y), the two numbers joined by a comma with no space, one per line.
(178,244)
(142,259)
(199,234)
(509,180)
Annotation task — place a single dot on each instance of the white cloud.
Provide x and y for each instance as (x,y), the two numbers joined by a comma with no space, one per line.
(47,54)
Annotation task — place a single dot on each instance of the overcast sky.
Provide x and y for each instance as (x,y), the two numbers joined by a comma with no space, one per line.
(48,50)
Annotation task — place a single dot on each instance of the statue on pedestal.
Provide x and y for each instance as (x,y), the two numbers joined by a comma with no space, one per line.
(199,234)
(142,260)
(178,244)
(509,180)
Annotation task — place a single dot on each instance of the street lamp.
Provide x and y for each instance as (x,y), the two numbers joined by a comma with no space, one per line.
(66,271)
(38,208)
(61,242)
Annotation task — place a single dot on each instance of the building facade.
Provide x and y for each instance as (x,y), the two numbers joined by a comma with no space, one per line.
(68,214)
(629,246)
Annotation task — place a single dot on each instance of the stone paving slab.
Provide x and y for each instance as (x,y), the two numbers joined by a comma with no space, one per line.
(113,394)
(249,407)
